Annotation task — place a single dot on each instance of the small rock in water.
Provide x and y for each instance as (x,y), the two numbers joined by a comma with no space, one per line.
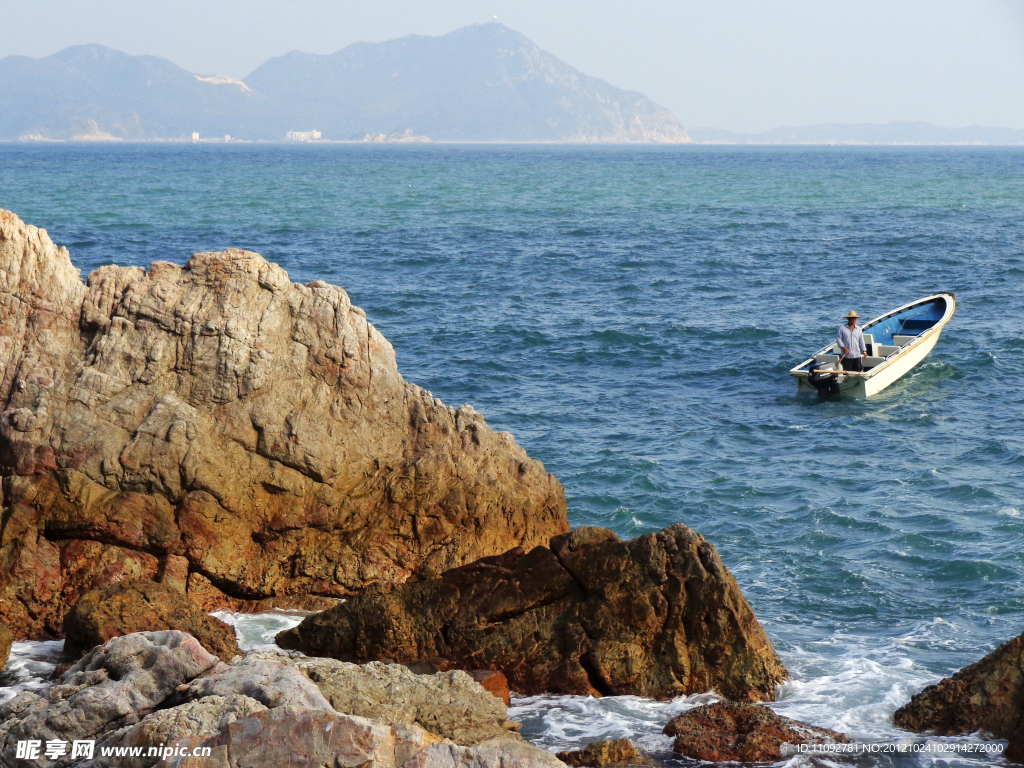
(602,754)
(143,606)
(987,695)
(748,733)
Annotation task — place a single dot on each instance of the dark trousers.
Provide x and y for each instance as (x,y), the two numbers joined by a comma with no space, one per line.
(852,364)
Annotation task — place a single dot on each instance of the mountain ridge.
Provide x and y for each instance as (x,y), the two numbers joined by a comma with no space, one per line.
(479,83)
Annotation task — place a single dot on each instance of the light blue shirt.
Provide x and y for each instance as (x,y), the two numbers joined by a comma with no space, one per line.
(852,340)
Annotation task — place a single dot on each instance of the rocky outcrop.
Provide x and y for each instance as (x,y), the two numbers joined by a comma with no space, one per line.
(143,606)
(267,681)
(450,705)
(163,689)
(986,696)
(194,720)
(605,754)
(287,736)
(6,640)
(110,686)
(658,616)
(747,733)
(218,427)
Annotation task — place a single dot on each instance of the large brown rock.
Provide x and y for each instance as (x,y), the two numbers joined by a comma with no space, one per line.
(986,696)
(658,616)
(747,733)
(143,606)
(219,413)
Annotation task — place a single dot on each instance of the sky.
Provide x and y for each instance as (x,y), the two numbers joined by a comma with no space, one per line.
(742,65)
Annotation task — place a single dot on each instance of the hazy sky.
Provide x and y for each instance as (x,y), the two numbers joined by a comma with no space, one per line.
(738,64)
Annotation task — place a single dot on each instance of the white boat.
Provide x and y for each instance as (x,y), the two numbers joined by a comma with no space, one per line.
(896,341)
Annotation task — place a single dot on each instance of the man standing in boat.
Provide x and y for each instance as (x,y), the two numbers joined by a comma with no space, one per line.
(851,344)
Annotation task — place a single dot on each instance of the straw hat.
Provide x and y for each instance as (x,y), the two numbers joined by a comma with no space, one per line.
(852,314)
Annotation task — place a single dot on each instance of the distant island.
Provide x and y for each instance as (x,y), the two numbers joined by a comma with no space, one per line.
(875,134)
(483,83)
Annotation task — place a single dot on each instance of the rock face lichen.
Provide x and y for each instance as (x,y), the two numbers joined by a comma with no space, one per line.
(219,413)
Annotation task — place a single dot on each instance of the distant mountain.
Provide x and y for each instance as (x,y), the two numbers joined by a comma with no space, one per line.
(480,83)
(95,92)
(865,133)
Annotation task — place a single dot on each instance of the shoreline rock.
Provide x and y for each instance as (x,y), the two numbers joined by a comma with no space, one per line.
(143,606)
(746,733)
(986,696)
(450,705)
(217,427)
(262,711)
(659,616)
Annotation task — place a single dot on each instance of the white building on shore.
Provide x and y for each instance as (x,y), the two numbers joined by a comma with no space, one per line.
(302,135)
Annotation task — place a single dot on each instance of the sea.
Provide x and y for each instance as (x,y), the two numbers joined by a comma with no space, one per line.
(629,314)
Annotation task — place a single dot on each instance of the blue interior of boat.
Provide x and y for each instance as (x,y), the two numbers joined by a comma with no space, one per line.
(911,321)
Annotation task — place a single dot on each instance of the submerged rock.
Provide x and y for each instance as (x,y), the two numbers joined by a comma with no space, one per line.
(127,607)
(659,616)
(219,428)
(986,696)
(747,733)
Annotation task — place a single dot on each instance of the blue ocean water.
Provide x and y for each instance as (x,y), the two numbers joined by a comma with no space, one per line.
(630,314)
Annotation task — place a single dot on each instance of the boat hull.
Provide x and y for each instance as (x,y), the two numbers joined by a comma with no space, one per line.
(896,366)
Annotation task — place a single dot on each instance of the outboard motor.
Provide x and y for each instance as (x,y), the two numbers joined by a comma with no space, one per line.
(826,382)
